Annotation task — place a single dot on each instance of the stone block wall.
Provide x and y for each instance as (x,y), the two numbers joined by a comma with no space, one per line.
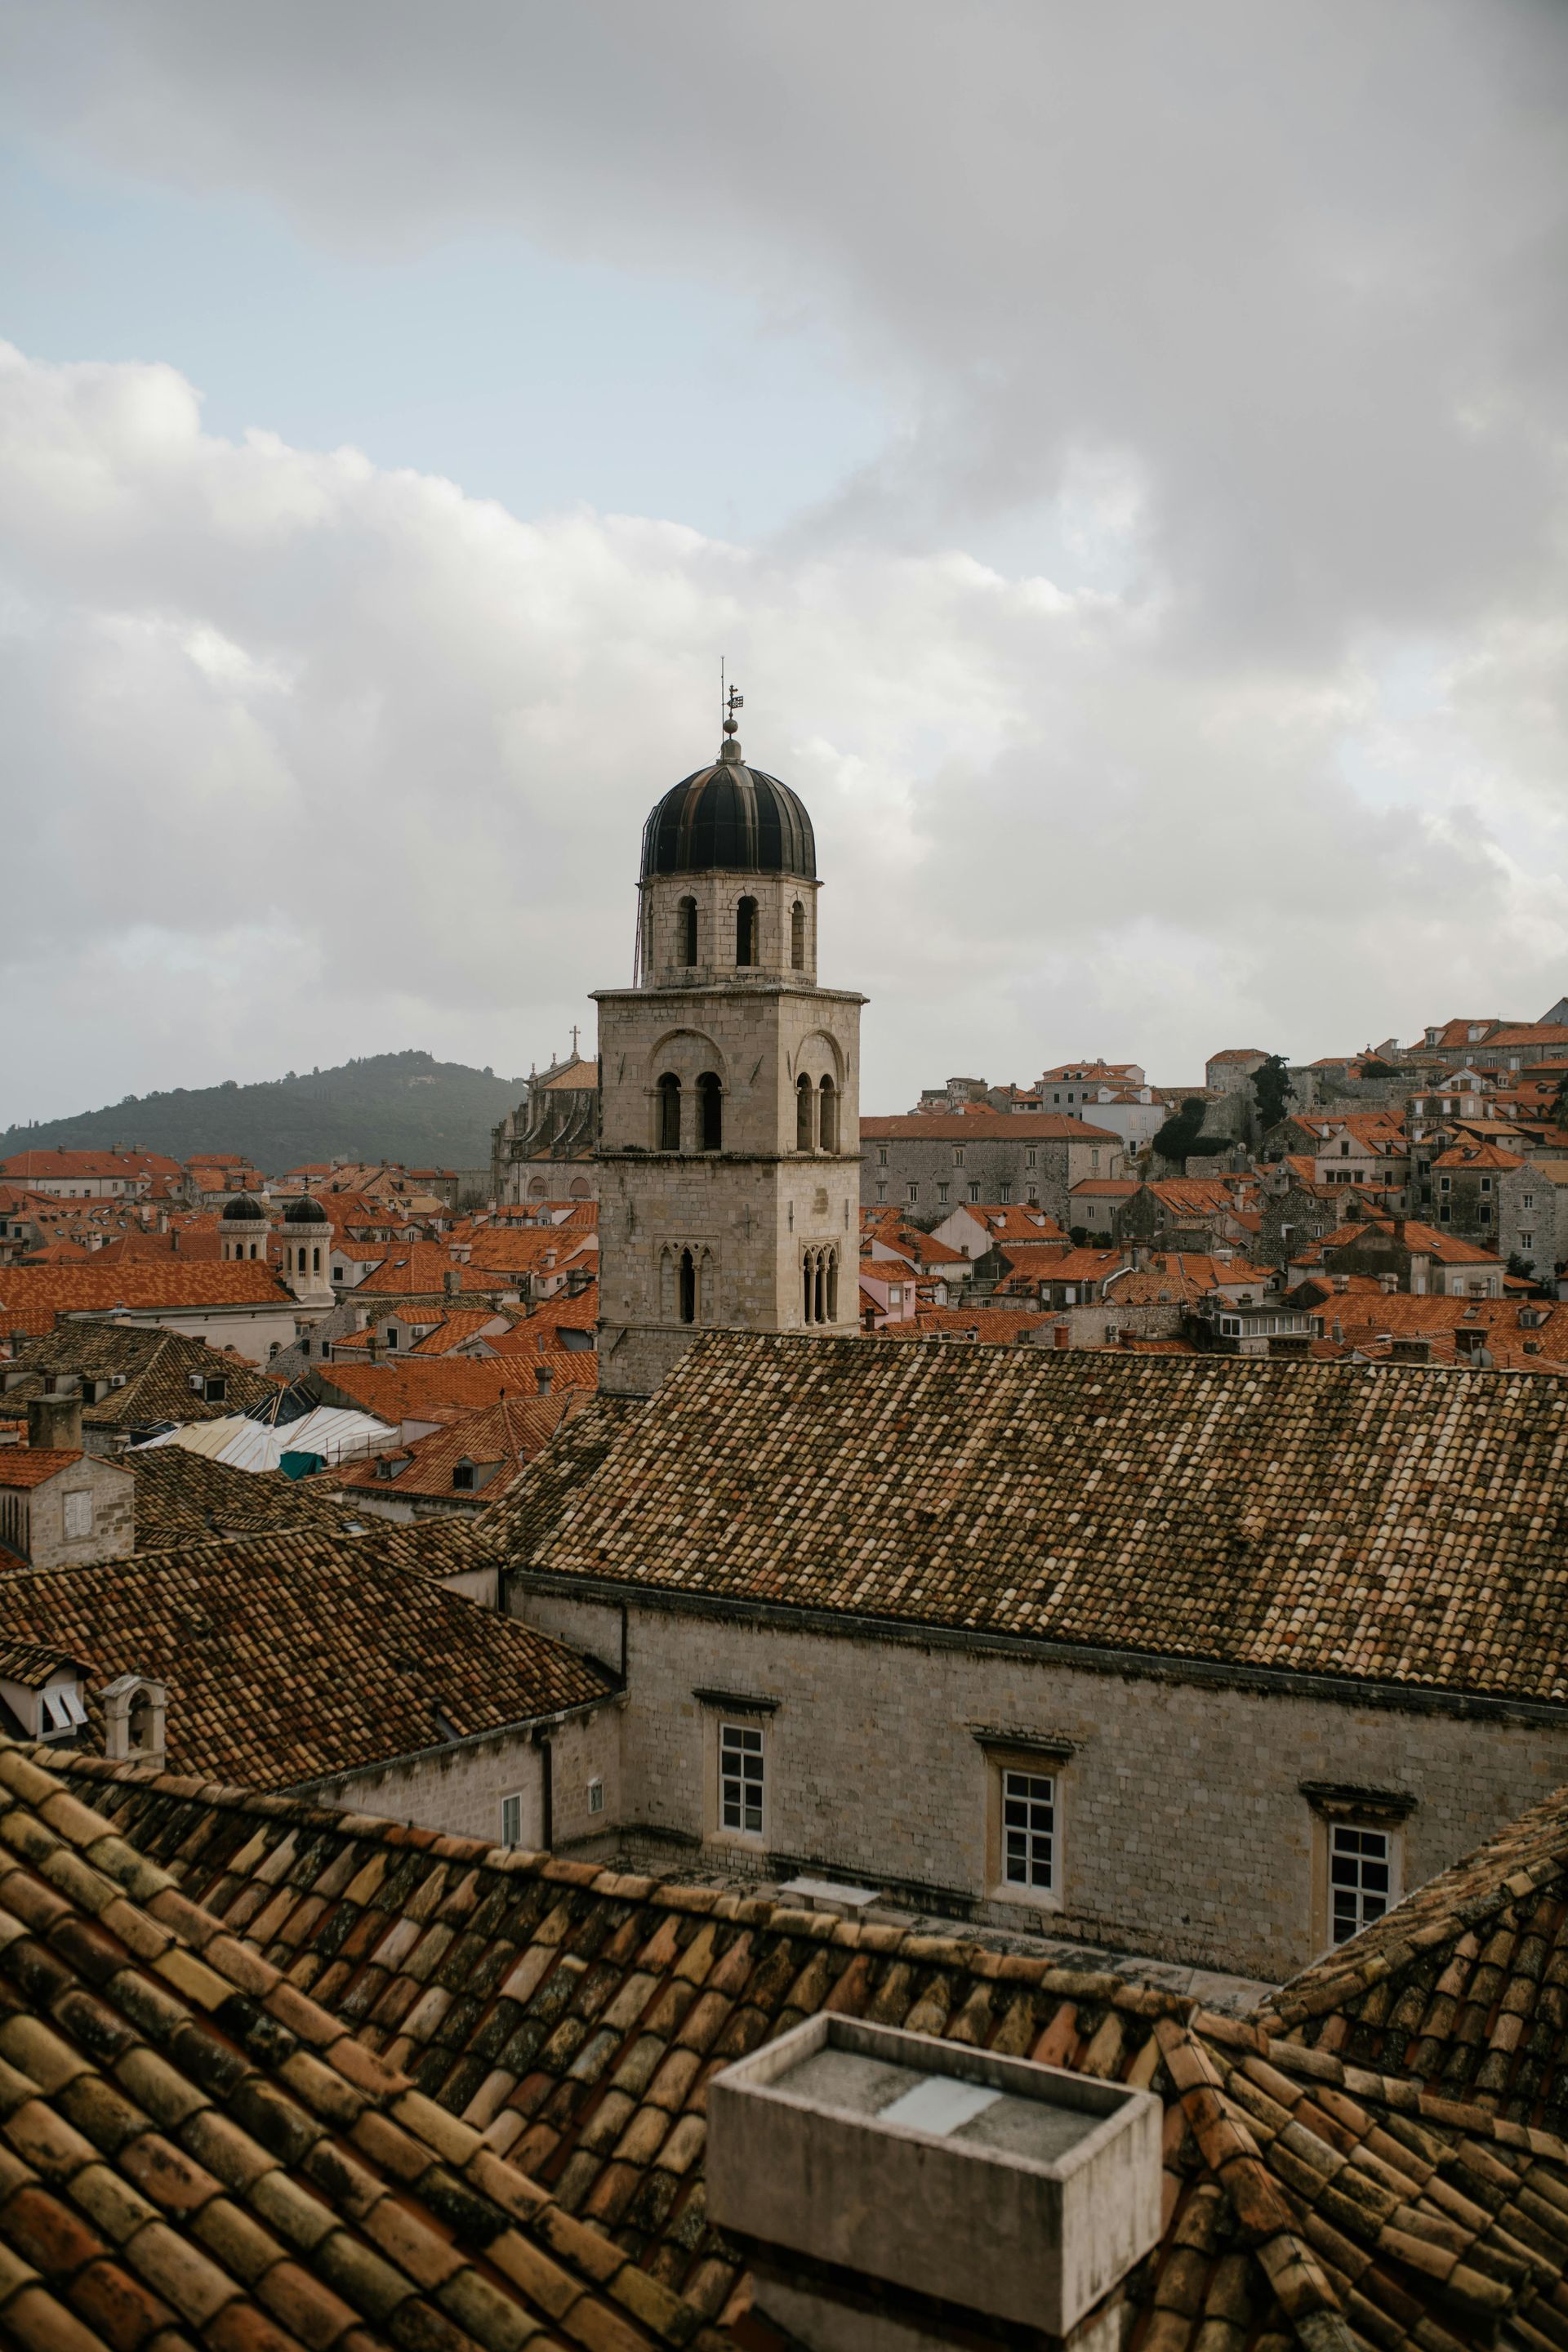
(51,1520)
(1184,1831)
(460,1790)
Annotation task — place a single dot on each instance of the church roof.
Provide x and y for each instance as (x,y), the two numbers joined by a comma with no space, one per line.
(1387,1525)
(730,817)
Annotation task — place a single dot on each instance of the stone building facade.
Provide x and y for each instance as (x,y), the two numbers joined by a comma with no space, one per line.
(729,1146)
(1191,1807)
(930,1163)
(1533,1216)
(543,1150)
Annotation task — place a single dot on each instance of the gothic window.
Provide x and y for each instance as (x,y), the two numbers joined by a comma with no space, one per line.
(746,931)
(670,1112)
(710,1111)
(803,1091)
(688,1287)
(797,937)
(820,1285)
(828,1127)
(685,926)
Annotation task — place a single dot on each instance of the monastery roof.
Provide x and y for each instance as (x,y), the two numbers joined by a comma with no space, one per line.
(1257,1515)
(301,1653)
(981,1126)
(560,2022)
(529,1511)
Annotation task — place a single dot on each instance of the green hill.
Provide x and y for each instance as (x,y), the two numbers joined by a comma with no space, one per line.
(406,1107)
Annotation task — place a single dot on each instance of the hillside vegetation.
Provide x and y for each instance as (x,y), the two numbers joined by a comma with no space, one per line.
(407,1107)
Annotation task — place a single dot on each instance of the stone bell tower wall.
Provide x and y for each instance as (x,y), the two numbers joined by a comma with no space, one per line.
(780,936)
(760,1211)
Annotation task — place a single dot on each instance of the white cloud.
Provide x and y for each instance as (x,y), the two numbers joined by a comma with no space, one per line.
(307,758)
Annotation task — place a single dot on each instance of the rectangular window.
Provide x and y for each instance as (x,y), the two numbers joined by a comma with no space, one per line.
(1528,1201)
(1030,1159)
(1028,1830)
(1358,1876)
(958,1155)
(1486,1183)
(941,1195)
(79,1514)
(974,1191)
(741,1779)
(882,1191)
(881,1155)
(1527,1241)
(1033,1191)
(912,1192)
(1445,1183)
(1004,1192)
(511,1820)
(595,1796)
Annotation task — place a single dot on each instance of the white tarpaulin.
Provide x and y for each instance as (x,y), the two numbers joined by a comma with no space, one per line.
(330,1431)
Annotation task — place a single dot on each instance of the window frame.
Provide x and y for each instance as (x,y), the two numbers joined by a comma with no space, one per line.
(1039,1761)
(1382,1812)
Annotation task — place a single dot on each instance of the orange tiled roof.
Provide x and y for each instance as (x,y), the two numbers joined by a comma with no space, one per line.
(29,1465)
(418,1386)
(509,1433)
(32,1297)
(992,1125)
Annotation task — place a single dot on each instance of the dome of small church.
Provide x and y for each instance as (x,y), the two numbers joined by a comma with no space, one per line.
(306,1211)
(730,816)
(244,1207)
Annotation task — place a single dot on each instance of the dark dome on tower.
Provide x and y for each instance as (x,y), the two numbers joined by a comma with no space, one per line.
(733,817)
(243,1207)
(306,1211)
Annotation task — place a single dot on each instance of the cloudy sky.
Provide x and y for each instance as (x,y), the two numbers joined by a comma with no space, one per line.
(1119,451)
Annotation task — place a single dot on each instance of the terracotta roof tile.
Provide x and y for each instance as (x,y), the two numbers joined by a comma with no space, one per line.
(292,1655)
(1311,2201)
(1289,1515)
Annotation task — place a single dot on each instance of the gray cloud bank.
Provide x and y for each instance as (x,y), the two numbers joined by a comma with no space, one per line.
(1190,666)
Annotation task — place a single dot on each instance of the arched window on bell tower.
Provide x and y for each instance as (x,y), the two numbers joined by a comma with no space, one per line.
(686,930)
(710,1111)
(803,1092)
(670,1112)
(797,937)
(746,931)
(828,1118)
(688,1287)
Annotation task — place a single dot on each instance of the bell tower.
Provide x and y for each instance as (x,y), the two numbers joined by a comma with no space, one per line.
(728,1141)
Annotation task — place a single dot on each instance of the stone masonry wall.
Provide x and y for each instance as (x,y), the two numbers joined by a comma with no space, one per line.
(112,1532)
(1184,1827)
(460,1790)
(1002,1167)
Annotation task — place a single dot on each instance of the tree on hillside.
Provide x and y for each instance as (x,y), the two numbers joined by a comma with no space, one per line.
(1272,1090)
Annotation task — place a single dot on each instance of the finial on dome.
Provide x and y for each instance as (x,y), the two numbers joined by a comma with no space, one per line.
(730,748)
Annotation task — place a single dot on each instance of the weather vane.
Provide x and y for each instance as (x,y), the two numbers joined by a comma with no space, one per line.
(729,701)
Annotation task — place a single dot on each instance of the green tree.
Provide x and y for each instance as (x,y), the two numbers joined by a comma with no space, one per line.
(1181,1131)
(1272,1090)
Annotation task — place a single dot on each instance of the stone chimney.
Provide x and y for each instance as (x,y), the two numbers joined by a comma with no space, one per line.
(544,1378)
(54,1419)
(834,2154)
(451,1282)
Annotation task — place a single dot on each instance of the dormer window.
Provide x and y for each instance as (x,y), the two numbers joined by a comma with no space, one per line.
(463,1477)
